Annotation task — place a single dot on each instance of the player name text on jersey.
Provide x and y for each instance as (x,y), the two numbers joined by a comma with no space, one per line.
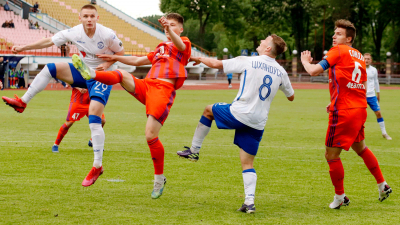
(264,66)
(356,54)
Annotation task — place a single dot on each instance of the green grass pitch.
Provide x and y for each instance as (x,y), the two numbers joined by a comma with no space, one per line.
(294,187)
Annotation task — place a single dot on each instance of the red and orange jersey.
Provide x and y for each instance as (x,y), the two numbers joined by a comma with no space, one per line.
(168,61)
(78,97)
(346,76)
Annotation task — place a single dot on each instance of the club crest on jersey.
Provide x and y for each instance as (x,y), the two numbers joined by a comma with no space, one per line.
(100,45)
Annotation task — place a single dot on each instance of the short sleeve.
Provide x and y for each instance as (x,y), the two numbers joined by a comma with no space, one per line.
(115,44)
(150,56)
(60,38)
(333,56)
(187,42)
(188,50)
(235,65)
(286,86)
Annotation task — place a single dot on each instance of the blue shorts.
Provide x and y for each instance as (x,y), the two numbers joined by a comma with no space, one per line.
(373,103)
(78,79)
(246,138)
(97,91)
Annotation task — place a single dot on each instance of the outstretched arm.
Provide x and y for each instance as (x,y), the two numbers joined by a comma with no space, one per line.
(312,69)
(128,60)
(42,43)
(104,66)
(175,38)
(210,62)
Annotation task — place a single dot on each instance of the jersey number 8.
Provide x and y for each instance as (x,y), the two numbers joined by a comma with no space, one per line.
(266,85)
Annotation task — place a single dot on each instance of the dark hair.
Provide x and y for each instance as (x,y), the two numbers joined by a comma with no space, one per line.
(349,26)
(279,45)
(175,16)
(88,6)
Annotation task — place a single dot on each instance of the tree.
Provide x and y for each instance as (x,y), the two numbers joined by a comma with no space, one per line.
(379,21)
(204,11)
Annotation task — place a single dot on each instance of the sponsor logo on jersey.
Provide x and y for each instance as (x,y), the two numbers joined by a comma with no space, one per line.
(352,85)
(100,45)
(82,42)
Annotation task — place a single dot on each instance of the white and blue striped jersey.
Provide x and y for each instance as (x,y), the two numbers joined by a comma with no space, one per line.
(104,41)
(261,77)
(372,81)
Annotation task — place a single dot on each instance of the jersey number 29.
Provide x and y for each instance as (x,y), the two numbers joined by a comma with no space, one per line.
(265,85)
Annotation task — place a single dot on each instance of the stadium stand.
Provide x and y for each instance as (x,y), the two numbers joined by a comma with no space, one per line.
(136,41)
(138,38)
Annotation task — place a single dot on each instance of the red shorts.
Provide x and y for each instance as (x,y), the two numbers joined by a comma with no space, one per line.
(346,126)
(77,111)
(157,95)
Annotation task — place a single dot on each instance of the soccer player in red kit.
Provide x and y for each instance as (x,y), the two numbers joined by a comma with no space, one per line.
(347,110)
(157,90)
(78,108)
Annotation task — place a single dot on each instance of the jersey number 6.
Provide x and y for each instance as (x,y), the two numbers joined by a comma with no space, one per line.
(356,72)
(265,85)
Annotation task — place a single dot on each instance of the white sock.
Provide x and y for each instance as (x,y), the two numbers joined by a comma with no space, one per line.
(382,125)
(200,134)
(249,181)
(39,84)
(92,72)
(340,197)
(98,138)
(159,178)
(381,186)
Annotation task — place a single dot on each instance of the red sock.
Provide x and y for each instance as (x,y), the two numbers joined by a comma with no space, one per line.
(372,164)
(337,175)
(157,154)
(109,77)
(61,133)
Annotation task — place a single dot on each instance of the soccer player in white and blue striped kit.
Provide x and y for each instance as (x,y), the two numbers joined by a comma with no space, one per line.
(372,99)
(261,78)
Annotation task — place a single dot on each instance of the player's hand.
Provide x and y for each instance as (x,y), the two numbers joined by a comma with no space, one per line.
(306,57)
(164,22)
(16,49)
(196,60)
(378,96)
(327,107)
(106,57)
(102,67)
(1,85)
